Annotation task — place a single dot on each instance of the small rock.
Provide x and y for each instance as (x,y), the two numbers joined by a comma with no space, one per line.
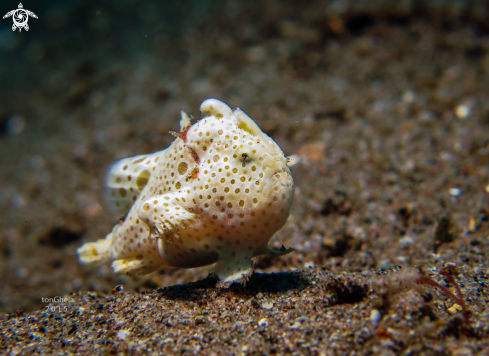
(454,309)
(401,259)
(375,316)
(384,265)
(296,325)
(408,97)
(462,111)
(454,192)
(122,334)
(117,289)
(406,241)
(463,351)
(200,320)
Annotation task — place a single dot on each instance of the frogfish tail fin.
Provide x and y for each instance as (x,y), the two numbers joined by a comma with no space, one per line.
(97,252)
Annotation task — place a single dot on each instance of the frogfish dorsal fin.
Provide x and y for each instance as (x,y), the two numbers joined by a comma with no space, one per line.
(124,181)
(246,123)
(184,121)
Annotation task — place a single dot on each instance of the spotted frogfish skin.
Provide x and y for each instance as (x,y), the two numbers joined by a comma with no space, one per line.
(216,195)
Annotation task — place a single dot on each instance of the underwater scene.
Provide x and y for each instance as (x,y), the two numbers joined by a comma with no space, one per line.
(228,177)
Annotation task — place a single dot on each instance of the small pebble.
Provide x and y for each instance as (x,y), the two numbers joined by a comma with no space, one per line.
(117,289)
(445,156)
(406,241)
(384,265)
(463,351)
(454,192)
(450,267)
(263,322)
(462,111)
(200,320)
(401,259)
(359,233)
(267,305)
(454,309)
(375,316)
(122,334)
(296,325)
(408,97)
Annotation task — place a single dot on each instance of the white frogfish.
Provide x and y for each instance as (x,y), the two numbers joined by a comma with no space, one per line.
(216,195)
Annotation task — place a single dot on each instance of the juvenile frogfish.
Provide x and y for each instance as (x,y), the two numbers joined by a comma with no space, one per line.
(216,195)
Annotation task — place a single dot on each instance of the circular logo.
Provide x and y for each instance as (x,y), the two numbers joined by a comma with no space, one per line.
(20,17)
